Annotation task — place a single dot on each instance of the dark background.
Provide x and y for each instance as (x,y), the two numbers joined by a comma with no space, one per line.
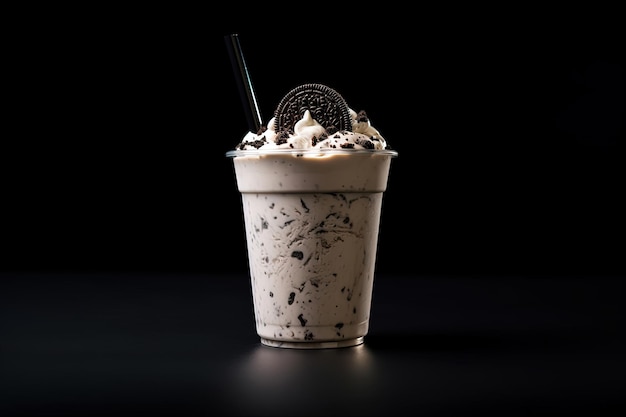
(509,127)
(123,272)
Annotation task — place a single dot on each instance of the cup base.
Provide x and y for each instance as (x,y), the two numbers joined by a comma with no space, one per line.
(312,345)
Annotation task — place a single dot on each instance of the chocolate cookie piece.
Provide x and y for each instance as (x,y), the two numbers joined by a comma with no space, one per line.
(327,107)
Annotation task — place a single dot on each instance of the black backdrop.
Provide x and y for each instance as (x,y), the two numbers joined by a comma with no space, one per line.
(509,125)
(509,129)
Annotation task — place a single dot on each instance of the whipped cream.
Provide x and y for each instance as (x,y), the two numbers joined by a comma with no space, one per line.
(309,134)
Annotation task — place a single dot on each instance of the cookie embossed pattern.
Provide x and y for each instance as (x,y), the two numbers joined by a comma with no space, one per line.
(325,105)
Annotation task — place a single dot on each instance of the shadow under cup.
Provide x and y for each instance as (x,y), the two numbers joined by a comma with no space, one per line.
(312,219)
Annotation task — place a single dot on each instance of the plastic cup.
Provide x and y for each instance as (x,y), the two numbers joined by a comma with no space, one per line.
(312,221)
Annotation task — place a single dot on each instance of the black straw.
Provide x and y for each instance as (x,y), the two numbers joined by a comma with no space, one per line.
(244,83)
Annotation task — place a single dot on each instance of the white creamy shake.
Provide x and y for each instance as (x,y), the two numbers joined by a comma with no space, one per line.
(312,198)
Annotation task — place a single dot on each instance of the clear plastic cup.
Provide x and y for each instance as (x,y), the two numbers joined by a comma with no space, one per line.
(312,220)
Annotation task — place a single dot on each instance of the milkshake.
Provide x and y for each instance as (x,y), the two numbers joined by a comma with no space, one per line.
(312,183)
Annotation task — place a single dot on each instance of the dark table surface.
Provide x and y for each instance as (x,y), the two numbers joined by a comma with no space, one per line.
(100,344)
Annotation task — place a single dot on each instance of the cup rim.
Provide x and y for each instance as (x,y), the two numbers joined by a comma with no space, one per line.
(311,152)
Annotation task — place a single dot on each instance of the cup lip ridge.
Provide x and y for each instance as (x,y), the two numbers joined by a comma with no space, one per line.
(311,152)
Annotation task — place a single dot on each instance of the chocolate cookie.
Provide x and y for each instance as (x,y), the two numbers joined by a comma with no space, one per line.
(327,107)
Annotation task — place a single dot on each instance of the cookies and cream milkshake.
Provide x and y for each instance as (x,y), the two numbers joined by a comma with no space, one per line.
(312,183)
